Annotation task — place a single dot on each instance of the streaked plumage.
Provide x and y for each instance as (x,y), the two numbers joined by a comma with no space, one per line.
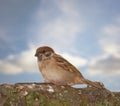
(55,69)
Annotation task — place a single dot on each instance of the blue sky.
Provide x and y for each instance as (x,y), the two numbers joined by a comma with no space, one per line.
(84,32)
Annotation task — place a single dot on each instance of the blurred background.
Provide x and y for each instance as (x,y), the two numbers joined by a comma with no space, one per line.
(86,32)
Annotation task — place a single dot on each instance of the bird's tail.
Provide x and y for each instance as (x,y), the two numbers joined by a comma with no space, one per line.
(94,84)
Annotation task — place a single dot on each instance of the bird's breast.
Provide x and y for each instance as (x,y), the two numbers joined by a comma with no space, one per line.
(49,71)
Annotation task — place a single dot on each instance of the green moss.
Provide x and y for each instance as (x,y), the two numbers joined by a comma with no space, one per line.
(62,96)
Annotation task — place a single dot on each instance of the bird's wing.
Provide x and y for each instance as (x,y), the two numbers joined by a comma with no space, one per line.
(61,62)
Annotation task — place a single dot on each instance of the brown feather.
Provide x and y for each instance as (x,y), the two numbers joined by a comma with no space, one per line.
(58,70)
(60,61)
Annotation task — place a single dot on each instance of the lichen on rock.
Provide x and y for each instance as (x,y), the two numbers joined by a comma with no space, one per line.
(43,94)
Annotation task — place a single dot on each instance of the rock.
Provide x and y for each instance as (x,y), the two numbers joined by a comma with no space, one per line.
(43,94)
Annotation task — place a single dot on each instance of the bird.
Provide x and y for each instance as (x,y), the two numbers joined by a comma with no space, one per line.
(57,70)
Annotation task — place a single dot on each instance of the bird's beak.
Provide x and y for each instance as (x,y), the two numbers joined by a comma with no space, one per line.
(35,55)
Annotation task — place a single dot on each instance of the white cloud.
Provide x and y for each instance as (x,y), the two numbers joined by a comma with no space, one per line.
(75,60)
(111,48)
(23,62)
(26,62)
(108,63)
(9,68)
(60,34)
(110,39)
(60,31)
(104,66)
(67,8)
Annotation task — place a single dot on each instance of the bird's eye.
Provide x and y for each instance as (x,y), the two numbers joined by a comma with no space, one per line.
(47,54)
(43,51)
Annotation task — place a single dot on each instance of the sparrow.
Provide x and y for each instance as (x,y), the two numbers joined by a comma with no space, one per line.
(57,70)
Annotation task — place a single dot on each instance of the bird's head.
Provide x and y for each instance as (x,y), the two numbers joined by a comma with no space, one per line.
(44,52)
